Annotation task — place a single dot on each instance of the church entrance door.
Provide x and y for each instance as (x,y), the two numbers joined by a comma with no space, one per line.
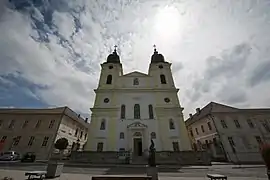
(137,144)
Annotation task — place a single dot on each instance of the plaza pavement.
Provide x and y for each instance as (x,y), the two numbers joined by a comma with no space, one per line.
(19,175)
(234,172)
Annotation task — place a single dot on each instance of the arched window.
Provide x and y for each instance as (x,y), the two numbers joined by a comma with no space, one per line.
(135,81)
(171,124)
(102,125)
(162,79)
(122,135)
(153,135)
(150,109)
(137,111)
(109,79)
(123,111)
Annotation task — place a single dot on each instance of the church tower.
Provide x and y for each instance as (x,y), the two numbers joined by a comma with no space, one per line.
(168,109)
(131,109)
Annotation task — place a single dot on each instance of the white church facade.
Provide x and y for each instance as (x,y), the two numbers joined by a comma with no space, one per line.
(131,109)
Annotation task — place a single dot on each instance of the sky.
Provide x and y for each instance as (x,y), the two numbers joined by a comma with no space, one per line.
(51,51)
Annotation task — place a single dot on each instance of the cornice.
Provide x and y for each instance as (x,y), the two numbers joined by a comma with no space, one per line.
(103,109)
(131,90)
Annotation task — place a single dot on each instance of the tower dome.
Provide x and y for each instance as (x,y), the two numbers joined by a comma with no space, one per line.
(156,57)
(113,57)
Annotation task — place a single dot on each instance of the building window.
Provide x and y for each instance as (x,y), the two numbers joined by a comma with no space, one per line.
(31,140)
(100,147)
(110,67)
(109,79)
(137,111)
(38,124)
(202,128)
(102,125)
(25,124)
(153,135)
(45,141)
(3,139)
(17,140)
(122,135)
(191,133)
(81,135)
(266,126)
(11,125)
(232,144)
(236,122)
(76,132)
(85,135)
(135,81)
(51,123)
(250,123)
(209,126)
(258,139)
(150,109)
(162,79)
(197,132)
(123,111)
(223,123)
(171,124)
(175,146)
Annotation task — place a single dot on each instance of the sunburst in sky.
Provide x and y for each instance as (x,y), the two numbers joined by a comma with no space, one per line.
(50,51)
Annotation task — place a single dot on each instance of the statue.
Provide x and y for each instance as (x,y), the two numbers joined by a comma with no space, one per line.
(152,156)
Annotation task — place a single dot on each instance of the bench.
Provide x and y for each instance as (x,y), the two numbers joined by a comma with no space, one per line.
(121,178)
(216,176)
(39,174)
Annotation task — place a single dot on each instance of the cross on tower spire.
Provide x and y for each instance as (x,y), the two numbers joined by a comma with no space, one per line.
(155,48)
(115,48)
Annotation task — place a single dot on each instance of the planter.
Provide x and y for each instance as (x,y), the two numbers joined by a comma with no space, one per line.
(152,172)
(54,169)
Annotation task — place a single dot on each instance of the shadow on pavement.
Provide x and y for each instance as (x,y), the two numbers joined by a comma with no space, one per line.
(137,170)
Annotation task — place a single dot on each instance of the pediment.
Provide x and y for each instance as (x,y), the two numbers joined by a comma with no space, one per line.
(137,125)
(136,74)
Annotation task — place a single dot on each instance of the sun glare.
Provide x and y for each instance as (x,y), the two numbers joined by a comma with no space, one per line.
(167,23)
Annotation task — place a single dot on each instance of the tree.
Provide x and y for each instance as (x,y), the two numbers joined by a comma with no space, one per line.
(61,144)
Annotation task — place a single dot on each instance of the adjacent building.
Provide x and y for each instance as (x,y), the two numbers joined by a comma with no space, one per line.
(132,109)
(36,130)
(229,133)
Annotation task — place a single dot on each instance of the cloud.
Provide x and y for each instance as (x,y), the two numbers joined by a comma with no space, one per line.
(260,74)
(219,50)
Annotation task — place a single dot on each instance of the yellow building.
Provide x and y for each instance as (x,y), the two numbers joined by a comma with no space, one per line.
(36,130)
(131,109)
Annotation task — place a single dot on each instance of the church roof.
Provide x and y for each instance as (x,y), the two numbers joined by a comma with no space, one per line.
(157,57)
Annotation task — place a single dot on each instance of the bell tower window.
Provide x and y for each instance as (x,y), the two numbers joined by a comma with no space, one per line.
(162,79)
(171,124)
(102,125)
(109,79)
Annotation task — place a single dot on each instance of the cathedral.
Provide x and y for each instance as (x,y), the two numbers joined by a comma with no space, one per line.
(131,109)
